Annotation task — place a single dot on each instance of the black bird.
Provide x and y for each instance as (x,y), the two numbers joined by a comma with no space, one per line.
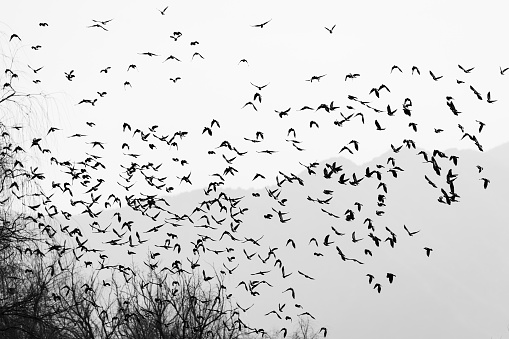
(414,68)
(262,24)
(428,250)
(481,125)
(410,233)
(390,112)
(435,77)
(283,113)
(396,67)
(370,278)
(99,26)
(291,290)
(316,77)
(36,69)
(502,71)
(485,182)
(352,76)
(390,276)
(102,22)
(489,98)
(14,36)
(171,57)
(163,12)
(378,127)
(330,29)
(466,70)
(150,54)
(197,54)
(479,96)
(260,87)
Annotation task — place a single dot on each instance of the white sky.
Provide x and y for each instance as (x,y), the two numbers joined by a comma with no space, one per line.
(369,37)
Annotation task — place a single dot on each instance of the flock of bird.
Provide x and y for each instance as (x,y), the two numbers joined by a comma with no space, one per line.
(217,221)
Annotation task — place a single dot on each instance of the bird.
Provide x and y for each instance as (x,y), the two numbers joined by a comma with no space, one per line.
(43,24)
(250,103)
(243,60)
(98,26)
(102,22)
(163,11)
(70,75)
(502,71)
(466,70)
(485,182)
(490,101)
(389,111)
(352,76)
(479,96)
(414,68)
(262,24)
(14,36)
(378,127)
(105,70)
(330,29)
(35,70)
(175,79)
(435,77)
(283,113)
(150,54)
(171,57)
(428,250)
(390,276)
(197,54)
(378,287)
(396,67)
(260,87)
(316,77)
(53,129)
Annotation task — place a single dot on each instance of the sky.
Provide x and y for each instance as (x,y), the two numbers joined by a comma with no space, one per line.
(369,37)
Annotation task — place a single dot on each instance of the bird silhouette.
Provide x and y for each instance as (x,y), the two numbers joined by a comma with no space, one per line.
(163,11)
(428,251)
(262,24)
(330,29)
(435,77)
(466,70)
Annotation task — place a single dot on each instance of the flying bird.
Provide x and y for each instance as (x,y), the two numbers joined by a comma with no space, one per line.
(466,70)
(163,12)
(435,77)
(262,24)
(428,250)
(330,29)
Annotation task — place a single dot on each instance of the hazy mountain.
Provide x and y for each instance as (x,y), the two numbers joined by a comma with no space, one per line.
(460,290)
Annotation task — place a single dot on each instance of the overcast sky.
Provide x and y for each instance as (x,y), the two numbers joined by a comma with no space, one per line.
(368,38)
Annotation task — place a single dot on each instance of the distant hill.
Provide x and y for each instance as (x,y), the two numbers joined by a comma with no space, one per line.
(459,291)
